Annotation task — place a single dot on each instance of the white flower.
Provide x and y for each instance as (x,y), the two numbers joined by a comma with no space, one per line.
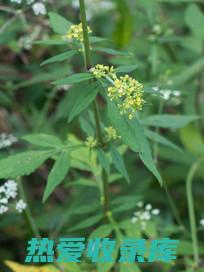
(4,200)
(7,140)
(155,211)
(10,189)
(145,216)
(134,220)
(140,204)
(148,207)
(39,8)
(20,206)
(3,209)
(202,222)
(16,1)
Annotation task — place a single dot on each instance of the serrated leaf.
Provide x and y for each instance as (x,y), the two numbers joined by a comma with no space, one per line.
(57,174)
(60,57)
(126,68)
(80,98)
(43,140)
(119,163)
(23,163)
(58,23)
(104,161)
(169,121)
(76,78)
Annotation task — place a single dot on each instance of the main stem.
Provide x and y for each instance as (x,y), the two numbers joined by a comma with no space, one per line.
(87,61)
(191,210)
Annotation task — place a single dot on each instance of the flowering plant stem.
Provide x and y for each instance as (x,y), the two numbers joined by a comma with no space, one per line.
(87,61)
(191,209)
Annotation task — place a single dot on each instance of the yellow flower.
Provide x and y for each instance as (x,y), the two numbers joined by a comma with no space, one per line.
(111,134)
(76,32)
(101,70)
(127,93)
(90,142)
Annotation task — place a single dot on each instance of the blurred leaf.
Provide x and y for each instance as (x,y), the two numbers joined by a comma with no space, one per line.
(155,137)
(119,163)
(111,51)
(169,121)
(128,267)
(104,161)
(43,140)
(195,20)
(187,134)
(126,68)
(15,267)
(58,23)
(23,163)
(50,42)
(101,232)
(86,223)
(76,78)
(57,174)
(60,57)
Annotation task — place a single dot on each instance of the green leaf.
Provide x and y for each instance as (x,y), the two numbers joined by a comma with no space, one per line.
(88,222)
(195,20)
(43,140)
(80,98)
(104,161)
(155,137)
(119,163)
(50,42)
(23,163)
(76,78)
(58,23)
(126,68)
(57,174)
(111,51)
(129,267)
(101,232)
(169,121)
(60,57)
(132,133)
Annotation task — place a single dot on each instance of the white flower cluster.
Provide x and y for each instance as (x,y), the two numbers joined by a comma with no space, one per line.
(7,140)
(167,94)
(202,222)
(38,7)
(95,6)
(144,214)
(8,192)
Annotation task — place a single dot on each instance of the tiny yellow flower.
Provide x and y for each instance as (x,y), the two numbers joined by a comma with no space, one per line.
(90,142)
(127,93)
(111,134)
(76,32)
(101,70)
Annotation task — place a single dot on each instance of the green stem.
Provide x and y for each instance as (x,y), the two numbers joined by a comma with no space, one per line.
(191,209)
(87,61)
(27,212)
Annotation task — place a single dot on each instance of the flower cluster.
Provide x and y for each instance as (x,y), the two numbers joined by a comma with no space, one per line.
(111,134)
(130,91)
(101,70)
(167,94)
(75,32)
(144,214)
(90,142)
(38,7)
(7,140)
(125,90)
(8,192)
